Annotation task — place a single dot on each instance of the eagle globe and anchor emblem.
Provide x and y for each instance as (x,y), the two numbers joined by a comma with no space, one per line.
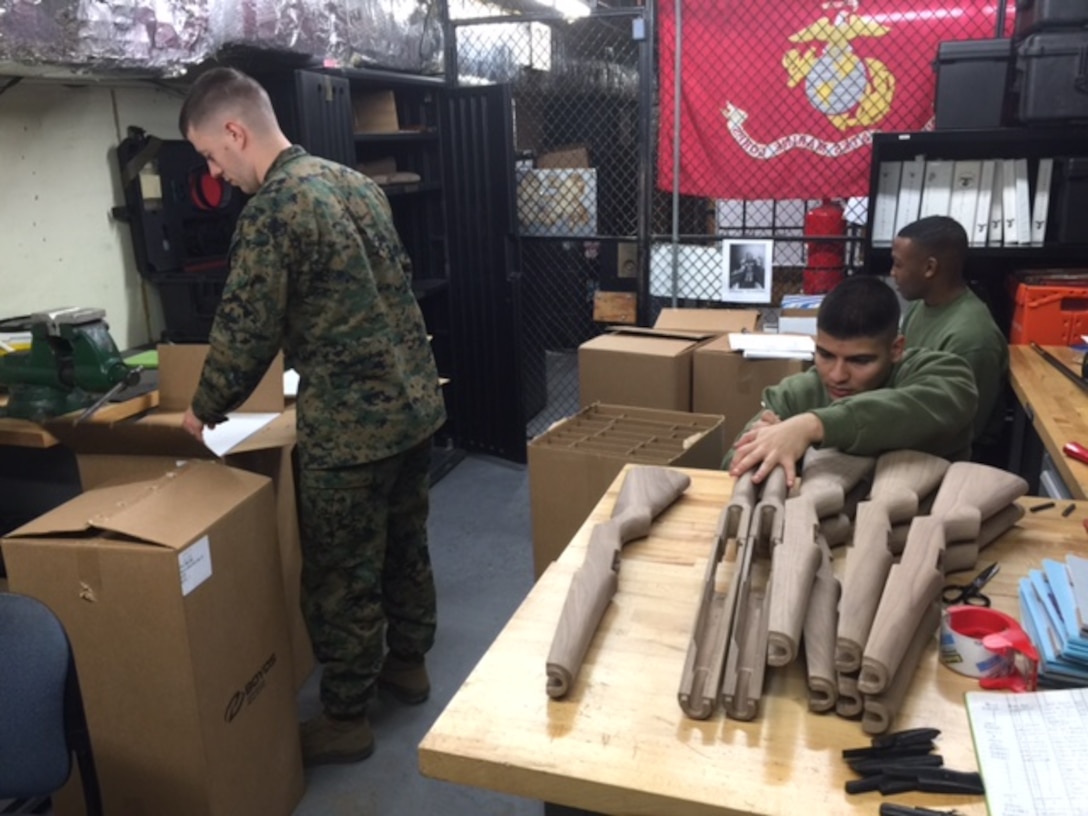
(850,90)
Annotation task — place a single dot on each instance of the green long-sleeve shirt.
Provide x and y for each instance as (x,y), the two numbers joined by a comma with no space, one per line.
(317,269)
(966,327)
(927,404)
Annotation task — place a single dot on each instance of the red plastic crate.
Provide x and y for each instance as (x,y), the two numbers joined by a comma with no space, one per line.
(1050,315)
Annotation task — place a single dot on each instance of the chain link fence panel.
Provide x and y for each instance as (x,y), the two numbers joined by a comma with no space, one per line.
(819,78)
(575,88)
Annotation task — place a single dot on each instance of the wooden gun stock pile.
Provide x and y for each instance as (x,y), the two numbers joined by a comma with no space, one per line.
(862,639)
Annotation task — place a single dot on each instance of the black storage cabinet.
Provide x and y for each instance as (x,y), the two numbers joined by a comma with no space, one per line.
(1053,77)
(973,83)
(1070,190)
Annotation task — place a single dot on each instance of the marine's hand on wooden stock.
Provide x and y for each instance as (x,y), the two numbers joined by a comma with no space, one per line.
(767,445)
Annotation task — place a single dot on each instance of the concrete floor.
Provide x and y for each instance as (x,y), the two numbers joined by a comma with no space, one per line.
(482,555)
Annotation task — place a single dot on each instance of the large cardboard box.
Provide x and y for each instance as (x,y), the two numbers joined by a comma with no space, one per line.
(375,112)
(652,368)
(171,595)
(572,464)
(564,158)
(726,383)
(557,201)
(133,450)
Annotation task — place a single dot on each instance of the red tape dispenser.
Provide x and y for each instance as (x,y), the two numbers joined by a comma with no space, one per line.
(990,645)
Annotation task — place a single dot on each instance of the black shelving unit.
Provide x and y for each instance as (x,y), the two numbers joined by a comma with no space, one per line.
(429,135)
(1033,144)
(455,224)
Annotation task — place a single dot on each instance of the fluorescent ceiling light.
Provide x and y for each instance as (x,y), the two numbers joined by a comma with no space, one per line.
(571,9)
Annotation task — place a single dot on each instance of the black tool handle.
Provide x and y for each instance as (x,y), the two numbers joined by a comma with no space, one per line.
(892,809)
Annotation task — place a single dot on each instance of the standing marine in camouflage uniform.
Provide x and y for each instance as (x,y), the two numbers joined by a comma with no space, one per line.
(317,269)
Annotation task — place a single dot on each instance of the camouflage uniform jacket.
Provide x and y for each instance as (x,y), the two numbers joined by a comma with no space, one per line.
(317,269)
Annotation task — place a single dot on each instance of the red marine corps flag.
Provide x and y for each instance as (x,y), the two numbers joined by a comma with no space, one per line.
(780,98)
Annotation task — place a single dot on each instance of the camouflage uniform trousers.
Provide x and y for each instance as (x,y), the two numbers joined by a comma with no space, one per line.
(366,571)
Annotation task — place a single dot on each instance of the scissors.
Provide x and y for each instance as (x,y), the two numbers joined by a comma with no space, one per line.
(970,594)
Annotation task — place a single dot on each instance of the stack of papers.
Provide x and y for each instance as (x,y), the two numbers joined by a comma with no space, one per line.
(1054,612)
(773,346)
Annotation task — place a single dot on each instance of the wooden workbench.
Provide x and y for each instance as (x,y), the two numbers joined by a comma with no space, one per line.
(621,745)
(1057,409)
(26,434)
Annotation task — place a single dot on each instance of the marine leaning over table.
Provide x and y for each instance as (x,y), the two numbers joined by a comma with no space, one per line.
(865,393)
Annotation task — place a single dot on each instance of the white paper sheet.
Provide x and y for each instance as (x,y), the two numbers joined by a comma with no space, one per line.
(1031,751)
(239,426)
(800,346)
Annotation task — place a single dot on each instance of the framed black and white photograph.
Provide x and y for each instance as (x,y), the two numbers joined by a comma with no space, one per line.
(746,271)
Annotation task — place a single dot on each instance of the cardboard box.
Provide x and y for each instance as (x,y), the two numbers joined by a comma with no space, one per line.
(171,595)
(133,450)
(572,464)
(557,202)
(561,158)
(651,368)
(638,370)
(375,112)
(726,383)
(615,307)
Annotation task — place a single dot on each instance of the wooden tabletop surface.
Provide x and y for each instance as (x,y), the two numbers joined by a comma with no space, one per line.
(1059,409)
(26,434)
(620,743)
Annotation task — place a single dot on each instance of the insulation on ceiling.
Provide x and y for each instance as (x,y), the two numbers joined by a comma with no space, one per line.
(165,37)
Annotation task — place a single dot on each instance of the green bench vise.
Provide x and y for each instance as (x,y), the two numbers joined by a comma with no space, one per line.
(72,364)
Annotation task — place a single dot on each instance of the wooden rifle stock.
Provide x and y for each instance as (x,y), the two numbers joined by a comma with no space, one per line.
(901,478)
(746,653)
(645,493)
(969,493)
(701,680)
(826,478)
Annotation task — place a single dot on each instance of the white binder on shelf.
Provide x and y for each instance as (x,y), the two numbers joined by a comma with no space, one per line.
(965,182)
(1023,203)
(937,188)
(910,193)
(994,236)
(1041,205)
(1008,203)
(977,236)
(887,194)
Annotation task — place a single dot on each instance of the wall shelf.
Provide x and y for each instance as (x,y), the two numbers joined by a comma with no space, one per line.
(403,136)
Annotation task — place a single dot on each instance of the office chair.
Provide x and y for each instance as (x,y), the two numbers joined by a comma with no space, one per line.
(42,723)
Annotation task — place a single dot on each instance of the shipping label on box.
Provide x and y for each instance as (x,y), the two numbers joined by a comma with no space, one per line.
(557,202)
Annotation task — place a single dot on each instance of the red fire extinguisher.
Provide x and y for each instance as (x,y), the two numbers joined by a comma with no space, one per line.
(826,259)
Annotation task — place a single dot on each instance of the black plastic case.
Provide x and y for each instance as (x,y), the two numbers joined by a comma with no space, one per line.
(1053,77)
(974,78)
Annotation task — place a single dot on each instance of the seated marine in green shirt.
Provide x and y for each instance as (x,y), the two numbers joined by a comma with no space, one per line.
(928,258)
(865,393)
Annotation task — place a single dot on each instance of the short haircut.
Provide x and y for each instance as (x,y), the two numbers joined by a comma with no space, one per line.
(222,89)
(860,307)
(940,236)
